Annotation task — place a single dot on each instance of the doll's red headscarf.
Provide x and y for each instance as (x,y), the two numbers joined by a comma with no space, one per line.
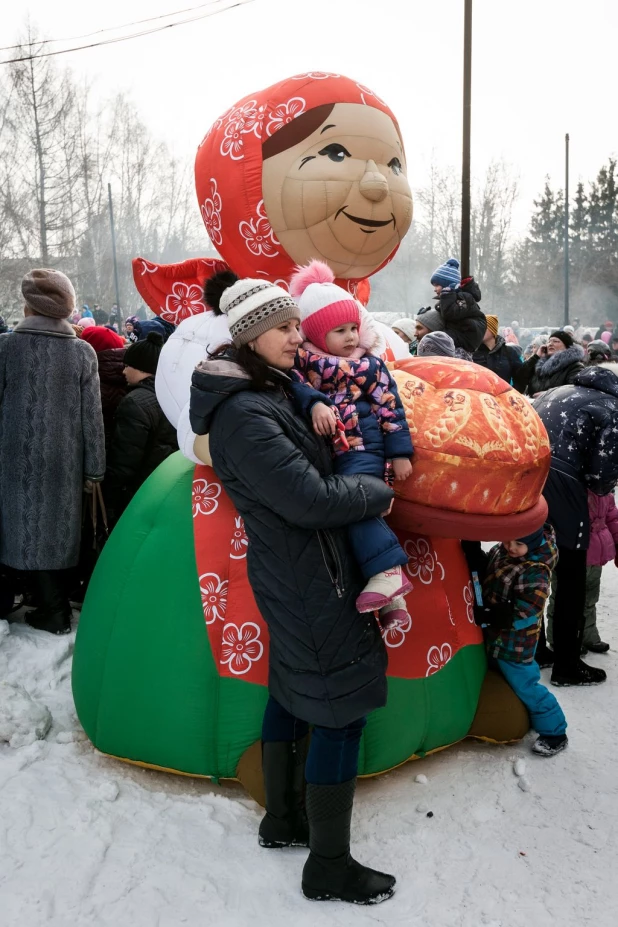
(228,169)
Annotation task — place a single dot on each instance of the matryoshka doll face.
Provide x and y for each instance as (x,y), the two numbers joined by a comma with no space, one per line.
(338,192)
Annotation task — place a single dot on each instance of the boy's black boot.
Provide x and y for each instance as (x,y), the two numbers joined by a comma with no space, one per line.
(285,821)
(550,744)
(330,873)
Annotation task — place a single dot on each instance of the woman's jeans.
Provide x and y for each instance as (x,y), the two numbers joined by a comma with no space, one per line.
(374,545)
(333,753)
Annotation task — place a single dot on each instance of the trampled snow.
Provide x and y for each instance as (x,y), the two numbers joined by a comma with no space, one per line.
(86,841)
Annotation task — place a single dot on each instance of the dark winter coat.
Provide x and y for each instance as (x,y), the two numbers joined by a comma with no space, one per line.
(462,317)
(113,386)
(504,359)
(540,373)
(582,424)
(51,440)
(142,439)
(327,662)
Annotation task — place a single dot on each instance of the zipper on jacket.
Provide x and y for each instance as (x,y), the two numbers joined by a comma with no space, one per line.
(326,541)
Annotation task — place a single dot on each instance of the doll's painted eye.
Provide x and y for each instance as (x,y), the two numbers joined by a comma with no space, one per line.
(335,152)
(395,165)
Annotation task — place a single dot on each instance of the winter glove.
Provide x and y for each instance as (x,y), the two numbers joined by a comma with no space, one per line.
(499,616)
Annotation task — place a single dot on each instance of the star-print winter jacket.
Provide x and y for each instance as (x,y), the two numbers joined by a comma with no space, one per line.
(582,425)
(365,396)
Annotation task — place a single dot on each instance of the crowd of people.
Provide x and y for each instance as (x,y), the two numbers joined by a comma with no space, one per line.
(307,433)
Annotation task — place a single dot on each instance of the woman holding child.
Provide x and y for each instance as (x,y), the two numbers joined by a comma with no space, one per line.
(327,661)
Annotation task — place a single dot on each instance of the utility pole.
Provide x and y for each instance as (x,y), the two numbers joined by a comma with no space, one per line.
(566,229)
(465,161)
(111,222)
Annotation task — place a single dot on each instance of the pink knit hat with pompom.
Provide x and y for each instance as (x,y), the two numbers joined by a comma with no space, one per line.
(323,305)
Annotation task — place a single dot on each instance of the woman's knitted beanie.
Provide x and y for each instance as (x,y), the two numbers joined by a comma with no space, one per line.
(48,292)
(323,305)
(252,306)
(564,337)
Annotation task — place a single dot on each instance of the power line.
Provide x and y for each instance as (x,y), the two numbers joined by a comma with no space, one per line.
(86,35)
(135,35)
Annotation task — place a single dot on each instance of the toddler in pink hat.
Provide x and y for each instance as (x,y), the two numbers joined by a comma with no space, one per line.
(342,383)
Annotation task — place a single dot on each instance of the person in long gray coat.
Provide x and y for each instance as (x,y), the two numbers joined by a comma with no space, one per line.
(51,442)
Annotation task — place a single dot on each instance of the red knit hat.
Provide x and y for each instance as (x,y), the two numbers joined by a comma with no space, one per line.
(102,338)
(323,305)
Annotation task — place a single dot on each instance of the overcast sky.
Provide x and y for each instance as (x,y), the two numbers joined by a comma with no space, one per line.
(540,68)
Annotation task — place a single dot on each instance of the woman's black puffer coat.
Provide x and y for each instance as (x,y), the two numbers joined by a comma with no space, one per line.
(327,662)
(540,373)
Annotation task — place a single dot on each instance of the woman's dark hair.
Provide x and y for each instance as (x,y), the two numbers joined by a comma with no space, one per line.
(258,371)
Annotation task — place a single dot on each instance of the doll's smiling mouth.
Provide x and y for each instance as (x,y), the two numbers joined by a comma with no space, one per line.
(372,224)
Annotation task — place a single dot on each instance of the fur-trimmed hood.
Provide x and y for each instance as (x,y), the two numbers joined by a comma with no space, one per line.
(548,366)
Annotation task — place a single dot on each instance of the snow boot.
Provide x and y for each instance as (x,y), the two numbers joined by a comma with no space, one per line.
(285,821)
(598,647)
(544,657)
(52,622)
(550,744)
(330,873)
(382,589)
(395,614)
(54,612)
(579,675)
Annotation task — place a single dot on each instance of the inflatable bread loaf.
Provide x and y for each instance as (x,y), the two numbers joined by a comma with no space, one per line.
(480,448)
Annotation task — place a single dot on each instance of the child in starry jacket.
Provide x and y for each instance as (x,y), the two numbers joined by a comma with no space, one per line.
(515,587)
(341,384)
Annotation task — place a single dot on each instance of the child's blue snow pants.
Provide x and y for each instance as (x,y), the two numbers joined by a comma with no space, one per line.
(375,546)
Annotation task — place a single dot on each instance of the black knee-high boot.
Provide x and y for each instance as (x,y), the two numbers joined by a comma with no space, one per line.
(330,873)
(54,612)
(285,821)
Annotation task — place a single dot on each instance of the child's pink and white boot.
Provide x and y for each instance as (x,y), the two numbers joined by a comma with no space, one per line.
(395,614)
(382,589)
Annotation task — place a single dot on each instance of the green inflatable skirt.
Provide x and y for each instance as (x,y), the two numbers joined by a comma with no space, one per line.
(171,656)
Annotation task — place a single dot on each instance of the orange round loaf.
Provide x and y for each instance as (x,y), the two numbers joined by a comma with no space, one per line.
(480,448)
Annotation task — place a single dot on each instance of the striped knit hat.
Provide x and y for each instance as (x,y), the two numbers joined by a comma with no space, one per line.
(447,275)
(252,306)
(493,324)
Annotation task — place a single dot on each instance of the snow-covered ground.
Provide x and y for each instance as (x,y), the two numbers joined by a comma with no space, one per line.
(86,840)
